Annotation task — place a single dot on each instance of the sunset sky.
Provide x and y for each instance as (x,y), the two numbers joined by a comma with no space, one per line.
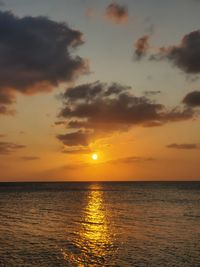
(120,79)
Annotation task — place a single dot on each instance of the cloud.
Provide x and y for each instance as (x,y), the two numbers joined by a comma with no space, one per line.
(141,47)
(36,55)
(129,160)
(57,123)
(182,146)
(90,12)
(192,99)
(149,26)
(185,56)
(30,158)
(95,110)
(152,93)
(83,92)
(6,111)
(6,98)
(7,148)
(117,14)
(77,150)
(126,160)
(75,138)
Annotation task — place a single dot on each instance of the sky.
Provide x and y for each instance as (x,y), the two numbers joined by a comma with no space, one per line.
(117,78)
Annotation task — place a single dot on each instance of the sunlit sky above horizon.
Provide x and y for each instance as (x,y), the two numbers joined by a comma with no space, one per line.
(147,129)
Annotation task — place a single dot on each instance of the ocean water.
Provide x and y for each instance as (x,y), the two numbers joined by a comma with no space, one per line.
(100,224)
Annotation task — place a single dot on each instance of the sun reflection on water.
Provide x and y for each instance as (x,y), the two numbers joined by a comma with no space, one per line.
(95,233)
(93,242)
(95,225)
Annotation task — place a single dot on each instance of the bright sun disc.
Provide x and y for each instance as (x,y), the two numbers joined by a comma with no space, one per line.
(94,156)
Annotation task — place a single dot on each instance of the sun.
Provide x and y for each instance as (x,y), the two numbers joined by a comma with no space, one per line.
(94,156)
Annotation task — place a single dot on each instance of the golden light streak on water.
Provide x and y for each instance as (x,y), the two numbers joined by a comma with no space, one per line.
(95,227)
(94,232)
(93,241)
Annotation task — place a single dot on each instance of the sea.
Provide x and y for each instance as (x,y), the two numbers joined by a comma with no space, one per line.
(140,224)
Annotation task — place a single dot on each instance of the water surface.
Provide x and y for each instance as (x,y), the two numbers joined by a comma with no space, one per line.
(100,224)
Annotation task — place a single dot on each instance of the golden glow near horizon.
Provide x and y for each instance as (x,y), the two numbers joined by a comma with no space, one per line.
(95,156)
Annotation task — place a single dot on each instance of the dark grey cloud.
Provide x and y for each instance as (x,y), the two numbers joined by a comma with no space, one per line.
(30,158)
(176,114)
(141,47)
(185,56)
(182,146)
(77,138)
(83,92)
(87,92)
(97,109)
(117,13)
(7,148)
(36,55)
(192,99)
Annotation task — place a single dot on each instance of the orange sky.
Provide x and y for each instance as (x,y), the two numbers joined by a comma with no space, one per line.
(120,80)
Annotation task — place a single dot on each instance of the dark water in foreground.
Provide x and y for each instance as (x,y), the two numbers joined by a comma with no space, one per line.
(100,224)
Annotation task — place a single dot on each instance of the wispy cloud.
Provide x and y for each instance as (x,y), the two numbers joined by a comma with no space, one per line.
(152,93)
(182,146)
(58,123)
(130,160)
(90,12)
(142,46)
(30,158)
(7,148)
(77,150)
(126,160)
(117,14)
